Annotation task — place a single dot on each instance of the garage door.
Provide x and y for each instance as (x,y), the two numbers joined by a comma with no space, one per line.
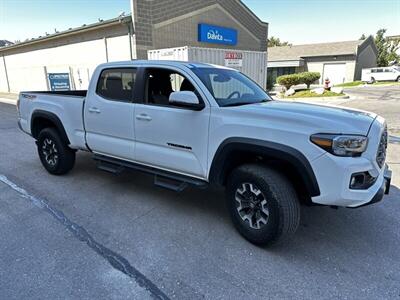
(335,72)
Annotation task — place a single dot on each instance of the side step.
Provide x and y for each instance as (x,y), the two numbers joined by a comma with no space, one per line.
(165,179)
(170,184)
(110,167)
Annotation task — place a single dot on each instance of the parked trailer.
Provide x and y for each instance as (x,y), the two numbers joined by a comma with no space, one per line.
(251,63)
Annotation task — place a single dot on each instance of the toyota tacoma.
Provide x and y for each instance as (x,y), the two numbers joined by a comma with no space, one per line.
(194,124)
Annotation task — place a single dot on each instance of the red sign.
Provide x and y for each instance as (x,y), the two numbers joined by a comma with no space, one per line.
(233,55)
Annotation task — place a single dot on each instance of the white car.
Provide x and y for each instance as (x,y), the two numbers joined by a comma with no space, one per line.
(199,124)
(381,74)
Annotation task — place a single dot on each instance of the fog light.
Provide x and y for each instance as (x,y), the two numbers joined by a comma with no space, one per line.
(361,181)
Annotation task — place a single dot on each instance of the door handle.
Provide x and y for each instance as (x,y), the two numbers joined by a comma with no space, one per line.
(94,110)
(143,117)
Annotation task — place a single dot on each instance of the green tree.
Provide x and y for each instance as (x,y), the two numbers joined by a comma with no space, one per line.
(276,42)
(363,37)
(386,49)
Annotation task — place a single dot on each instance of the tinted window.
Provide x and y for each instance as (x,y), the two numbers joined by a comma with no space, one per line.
(117,84)
(230,87)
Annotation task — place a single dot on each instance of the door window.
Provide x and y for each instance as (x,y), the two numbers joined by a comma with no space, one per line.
(117,84)
(160,83)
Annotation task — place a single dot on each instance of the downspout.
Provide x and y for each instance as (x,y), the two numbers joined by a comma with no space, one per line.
(46,78)
(106,48)
(130,40)
(130,32)
(6,73)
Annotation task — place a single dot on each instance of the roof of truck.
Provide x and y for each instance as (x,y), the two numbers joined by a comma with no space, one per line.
(163,63)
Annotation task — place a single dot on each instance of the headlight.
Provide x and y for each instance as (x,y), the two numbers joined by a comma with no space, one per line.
(341,145)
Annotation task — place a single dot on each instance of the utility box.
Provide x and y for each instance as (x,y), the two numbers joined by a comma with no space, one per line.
(251,63)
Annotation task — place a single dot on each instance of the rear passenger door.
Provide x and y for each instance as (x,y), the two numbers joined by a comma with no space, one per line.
(170,137)
(109,112)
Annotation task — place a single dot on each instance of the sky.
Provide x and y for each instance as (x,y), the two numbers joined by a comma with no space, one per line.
(295,21)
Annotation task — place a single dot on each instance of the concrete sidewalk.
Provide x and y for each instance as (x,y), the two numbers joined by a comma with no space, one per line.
(9,98)
(8,101)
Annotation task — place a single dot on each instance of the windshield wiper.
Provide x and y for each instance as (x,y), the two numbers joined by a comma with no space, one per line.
(246,103)
(238,103)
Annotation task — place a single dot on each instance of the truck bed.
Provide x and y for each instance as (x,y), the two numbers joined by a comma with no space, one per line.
(80,93)
(67,106)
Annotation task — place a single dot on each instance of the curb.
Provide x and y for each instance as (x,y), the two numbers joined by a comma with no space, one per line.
(315,98)
(318,98)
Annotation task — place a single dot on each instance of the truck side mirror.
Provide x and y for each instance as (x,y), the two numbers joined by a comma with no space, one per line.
(185,99)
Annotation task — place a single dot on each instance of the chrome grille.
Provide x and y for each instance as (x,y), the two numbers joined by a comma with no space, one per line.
(381,153)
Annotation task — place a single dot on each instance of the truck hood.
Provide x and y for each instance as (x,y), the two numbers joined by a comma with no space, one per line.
(317,118)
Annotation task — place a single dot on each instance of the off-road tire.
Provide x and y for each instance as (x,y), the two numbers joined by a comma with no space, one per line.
(63,158)
(282,204)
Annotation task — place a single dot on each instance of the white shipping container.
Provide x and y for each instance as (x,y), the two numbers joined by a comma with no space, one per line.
(251,63)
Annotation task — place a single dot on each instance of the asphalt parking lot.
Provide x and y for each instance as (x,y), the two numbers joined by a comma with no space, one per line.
(92,234)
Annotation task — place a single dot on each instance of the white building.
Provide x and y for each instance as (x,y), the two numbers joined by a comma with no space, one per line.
(74,53)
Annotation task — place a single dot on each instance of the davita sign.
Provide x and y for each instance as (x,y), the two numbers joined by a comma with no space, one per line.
(217,35)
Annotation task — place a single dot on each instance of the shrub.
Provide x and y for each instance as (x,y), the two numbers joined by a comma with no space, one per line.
(293,79)
(309,77)
(288,80)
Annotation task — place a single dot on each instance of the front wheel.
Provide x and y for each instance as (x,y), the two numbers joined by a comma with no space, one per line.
(56,157)
(263,204)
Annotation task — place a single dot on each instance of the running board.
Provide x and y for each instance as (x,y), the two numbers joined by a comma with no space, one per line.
(110,167)
(165,179)
(170,184)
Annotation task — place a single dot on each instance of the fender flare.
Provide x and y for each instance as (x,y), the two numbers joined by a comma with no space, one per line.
(53,118)
(270,149)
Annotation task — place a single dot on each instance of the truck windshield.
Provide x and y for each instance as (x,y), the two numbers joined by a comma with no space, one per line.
(231,88)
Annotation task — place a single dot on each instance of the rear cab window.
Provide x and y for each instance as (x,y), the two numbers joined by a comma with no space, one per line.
(117,84)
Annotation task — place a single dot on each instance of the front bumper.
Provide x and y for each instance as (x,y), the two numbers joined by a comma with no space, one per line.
(334,174)
(384,189)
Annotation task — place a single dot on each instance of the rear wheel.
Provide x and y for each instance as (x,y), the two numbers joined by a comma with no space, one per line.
(398,79)
(263,204)
(372,80)
(56,157)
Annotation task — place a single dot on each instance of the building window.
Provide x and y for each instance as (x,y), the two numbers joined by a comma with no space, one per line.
(273,73)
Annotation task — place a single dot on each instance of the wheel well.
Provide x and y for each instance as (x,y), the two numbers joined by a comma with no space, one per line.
(292,173)
(41,120)
(39,124)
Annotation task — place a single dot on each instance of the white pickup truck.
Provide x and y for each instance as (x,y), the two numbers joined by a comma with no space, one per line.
(199,124)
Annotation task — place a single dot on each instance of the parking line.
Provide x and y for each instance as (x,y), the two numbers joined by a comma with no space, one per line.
(115,260)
